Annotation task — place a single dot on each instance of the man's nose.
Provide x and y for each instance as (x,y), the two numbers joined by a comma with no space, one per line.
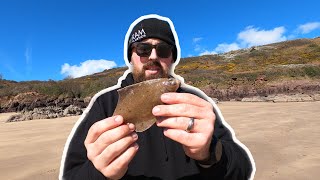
(153,54)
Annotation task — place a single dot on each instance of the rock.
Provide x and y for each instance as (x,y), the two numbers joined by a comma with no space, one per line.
(79,102)
(87,100)
(292,98)
(72,110)
(315,97)
(39,116)
(49,112)
(31,100)
(242,87)
(15,118)
(51,116)
(215,100)
(253,99)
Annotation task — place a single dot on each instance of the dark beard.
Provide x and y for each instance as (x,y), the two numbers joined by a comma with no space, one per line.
(140,76)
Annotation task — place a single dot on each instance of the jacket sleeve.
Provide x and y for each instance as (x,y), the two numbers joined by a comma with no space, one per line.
(234,163)
(76,165)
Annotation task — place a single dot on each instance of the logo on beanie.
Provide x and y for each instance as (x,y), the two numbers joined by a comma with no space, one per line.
(136,36)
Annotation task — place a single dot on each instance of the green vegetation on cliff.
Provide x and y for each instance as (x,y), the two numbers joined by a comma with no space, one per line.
(257,66)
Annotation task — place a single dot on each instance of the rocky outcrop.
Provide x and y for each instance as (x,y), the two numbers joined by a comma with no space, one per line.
(30,100)
(49,112)
(286,91)
(283,98)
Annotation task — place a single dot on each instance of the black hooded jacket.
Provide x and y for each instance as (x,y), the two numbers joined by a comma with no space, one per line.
(158,157)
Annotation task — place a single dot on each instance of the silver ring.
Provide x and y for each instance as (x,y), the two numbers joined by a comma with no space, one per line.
(190,125)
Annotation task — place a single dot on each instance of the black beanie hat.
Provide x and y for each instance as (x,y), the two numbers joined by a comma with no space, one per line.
(152,28)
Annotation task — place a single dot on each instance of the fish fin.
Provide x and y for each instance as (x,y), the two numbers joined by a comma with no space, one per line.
(144,125)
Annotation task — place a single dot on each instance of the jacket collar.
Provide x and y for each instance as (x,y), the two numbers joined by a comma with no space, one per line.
(127,81)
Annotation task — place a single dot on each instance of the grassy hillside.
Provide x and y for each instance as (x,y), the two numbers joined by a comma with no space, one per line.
(78,87)
(256,67)
(297,59)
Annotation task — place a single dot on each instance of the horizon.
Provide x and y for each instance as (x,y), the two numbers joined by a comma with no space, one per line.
(57,39)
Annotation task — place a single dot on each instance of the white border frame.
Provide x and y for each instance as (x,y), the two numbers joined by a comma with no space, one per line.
(118,85)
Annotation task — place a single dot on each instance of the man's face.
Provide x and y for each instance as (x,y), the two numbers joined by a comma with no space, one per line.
(152,66)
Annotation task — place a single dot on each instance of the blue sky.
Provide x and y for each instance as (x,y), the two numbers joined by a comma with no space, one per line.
(52,39)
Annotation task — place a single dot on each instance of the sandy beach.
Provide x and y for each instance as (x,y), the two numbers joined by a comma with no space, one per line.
(282,137)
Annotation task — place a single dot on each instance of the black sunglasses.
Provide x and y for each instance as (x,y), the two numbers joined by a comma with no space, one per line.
(163,50)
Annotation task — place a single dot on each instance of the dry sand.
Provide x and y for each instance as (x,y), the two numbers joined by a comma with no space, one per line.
(283,138)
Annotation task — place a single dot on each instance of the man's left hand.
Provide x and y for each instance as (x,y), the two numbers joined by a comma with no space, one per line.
(175,115)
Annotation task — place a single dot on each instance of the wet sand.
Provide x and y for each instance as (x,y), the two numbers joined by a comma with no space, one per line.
(282,137)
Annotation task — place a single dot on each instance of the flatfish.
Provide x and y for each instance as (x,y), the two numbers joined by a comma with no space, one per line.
(136,101)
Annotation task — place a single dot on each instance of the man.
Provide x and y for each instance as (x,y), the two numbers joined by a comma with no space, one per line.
(188,141)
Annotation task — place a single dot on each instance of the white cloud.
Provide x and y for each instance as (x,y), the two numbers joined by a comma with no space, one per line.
(224,47)
(308,27)
(221,48)
(250,36)
(86,67)
(197,48)
(195,40)
(206,52)
(254,36)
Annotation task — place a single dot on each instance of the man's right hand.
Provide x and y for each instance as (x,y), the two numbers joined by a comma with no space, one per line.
(111,146)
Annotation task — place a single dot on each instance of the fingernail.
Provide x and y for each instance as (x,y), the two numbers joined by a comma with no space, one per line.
(118,119)
(165,96)
(136,146)
(135,136)
(131,126)
(155,110)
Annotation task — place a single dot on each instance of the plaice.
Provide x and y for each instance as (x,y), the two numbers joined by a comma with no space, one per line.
(136,101)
